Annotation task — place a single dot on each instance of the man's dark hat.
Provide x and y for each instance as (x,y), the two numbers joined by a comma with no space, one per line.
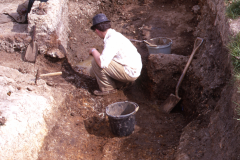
(99,18)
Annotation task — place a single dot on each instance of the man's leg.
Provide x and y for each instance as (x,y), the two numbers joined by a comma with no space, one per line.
(105,76)
(30,4)
(117,72)
(105,82)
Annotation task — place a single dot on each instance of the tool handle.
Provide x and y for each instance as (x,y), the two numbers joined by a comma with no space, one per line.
(34,33)
(51,74)
(152,45)
(134,40)
(188,63)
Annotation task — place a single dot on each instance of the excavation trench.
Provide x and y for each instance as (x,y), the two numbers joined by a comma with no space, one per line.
(199,126)
(156,135)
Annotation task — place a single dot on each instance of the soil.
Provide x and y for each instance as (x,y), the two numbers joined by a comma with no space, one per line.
(81,130)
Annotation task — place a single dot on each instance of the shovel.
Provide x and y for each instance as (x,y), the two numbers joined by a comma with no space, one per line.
(32,49)
(173,100)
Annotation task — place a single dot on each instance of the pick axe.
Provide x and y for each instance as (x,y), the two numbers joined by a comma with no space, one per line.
(38,75)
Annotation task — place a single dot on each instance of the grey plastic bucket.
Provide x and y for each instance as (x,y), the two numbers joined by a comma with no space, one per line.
(163,45)
(121,117)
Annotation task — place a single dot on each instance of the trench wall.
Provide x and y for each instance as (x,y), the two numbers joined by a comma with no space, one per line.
(52,27)
(207,91)
(214,133)
(221,21)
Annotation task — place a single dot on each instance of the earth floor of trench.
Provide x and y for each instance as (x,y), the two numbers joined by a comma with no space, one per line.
(81,130)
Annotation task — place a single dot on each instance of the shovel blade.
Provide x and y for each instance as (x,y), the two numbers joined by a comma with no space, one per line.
(170,103)
(31,53)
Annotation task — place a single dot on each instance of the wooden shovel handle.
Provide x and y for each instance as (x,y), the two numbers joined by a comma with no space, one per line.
(34,33)
(152,45)
(51,74)
(188,63)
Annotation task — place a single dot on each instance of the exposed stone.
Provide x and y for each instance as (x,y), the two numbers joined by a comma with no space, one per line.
(51,25)
(24,129)
(42,9)
(43,49)
(55,53)
(234,25)
(196,8)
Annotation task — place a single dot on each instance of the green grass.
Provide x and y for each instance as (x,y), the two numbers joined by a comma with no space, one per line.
(233,9)
(234,50)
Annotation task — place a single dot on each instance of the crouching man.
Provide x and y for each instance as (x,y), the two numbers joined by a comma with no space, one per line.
(119,60)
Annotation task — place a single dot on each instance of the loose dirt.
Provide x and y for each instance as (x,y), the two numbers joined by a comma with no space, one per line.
(81,129)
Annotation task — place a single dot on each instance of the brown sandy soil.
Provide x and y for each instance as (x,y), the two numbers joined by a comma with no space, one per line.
(82,129)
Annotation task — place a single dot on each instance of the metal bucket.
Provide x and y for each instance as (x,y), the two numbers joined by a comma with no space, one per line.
(163,45)
(121,117)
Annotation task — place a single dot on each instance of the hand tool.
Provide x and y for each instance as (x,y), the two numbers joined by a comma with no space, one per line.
(38,75)
(32,49)
(173,100)
(152,45)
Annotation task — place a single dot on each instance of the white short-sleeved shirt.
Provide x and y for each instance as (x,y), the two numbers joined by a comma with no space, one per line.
(120,49)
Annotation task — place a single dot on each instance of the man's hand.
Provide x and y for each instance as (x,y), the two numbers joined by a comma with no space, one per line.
(96,55)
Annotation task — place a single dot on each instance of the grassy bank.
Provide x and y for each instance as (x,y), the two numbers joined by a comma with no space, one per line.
(233,8)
